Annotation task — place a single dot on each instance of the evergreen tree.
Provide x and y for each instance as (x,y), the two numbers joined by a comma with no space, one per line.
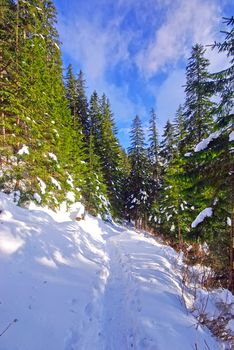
(170,214)
(39,118)
(198,106)
(95,118)
(167,144)
(154,146)
(95,192)
(137,201)
(8,78)
(82,106)
(110,155)
(71,94)
(215,170)
(154,160)
(180,130)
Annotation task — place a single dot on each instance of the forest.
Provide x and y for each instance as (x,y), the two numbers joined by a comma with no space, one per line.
(57,144)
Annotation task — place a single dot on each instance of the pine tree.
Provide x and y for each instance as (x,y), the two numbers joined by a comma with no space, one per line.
(176,209)
(71,94)
(137,201)
(95,118)
(168,144)
(82,106)
(170,214)
(95,191)
(216,167)
(180,130)
(8,78)
(154,160)
(111,158)
(154,146)
(39,120)
(198,106)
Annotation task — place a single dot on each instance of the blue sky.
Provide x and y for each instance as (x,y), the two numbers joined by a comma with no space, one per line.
(136,50)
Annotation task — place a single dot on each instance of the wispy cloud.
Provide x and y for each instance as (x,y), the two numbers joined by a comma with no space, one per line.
(94,46)
(186,23)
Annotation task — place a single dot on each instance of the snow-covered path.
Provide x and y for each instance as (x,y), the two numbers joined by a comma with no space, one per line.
(89,286)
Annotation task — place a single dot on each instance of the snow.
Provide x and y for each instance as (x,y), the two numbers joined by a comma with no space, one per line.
(213,303)
(53,156)
(23,150)
(229,221)
(231,136)
(77,211)
(37,197)
(70,181)
(90,285)
(55,182)
(188,154)
(207,212)
(15,196)
(71,196)
(230,325)
(56,132)
(42,185)
(205,142)
(57,46)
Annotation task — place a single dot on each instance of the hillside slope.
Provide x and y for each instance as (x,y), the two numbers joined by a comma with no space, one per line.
(89,285)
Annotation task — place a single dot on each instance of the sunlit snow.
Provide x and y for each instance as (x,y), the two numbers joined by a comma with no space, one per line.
(207,212)
(89,285)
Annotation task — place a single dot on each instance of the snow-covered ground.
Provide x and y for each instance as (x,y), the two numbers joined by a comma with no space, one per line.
(88,285)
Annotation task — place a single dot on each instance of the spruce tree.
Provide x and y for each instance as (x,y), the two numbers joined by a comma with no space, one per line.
(39,120)
(8,78)
(94,189)
(215,170)
(110,155)
(95,118)
(167,144)
(154,146)
(180,130)
(198,106)
(71,94)
(137,201)
(82,106)
(154,160)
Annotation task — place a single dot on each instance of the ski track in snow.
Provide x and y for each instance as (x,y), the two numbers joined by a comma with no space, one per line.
(90,286)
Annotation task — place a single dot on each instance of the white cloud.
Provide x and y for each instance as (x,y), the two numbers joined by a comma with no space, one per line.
(170,95)
(95,47)
(187,23)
